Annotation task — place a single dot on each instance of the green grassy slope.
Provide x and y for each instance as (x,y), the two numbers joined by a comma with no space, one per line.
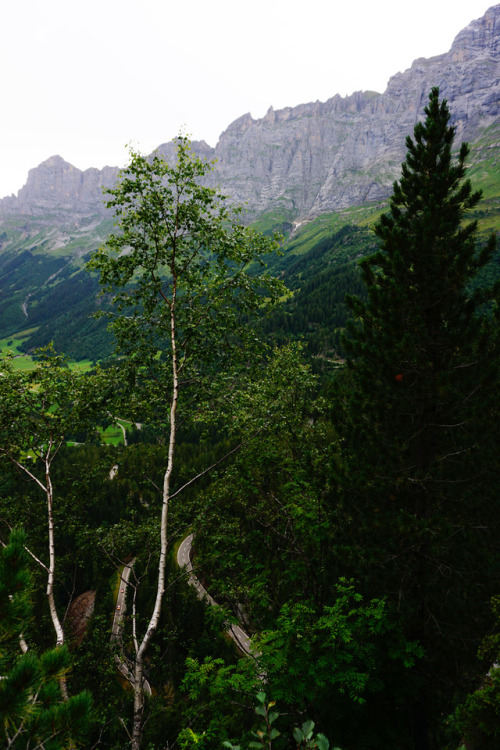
(45,288)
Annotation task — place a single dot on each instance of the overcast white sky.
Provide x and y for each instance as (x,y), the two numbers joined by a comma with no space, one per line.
(84,78)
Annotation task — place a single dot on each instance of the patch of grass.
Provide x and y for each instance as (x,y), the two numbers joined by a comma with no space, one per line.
(11,344)
(271,221)
(324,226)
(22,361)
(83,365)
(112,435)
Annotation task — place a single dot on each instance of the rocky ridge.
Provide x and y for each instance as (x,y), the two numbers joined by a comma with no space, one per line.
(318,157)
(56,185)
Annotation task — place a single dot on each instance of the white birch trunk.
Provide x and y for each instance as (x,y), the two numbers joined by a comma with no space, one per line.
(52,560)
(160,589)
(52,569)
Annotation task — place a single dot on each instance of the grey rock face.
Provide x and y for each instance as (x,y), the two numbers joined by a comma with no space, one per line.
(327,156)
(57,186)
(316,157)
(282,160)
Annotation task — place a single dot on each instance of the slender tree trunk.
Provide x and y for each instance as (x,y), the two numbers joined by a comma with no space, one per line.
(49,494)
(51,572)
(138,702)
(160,589)
(52,560)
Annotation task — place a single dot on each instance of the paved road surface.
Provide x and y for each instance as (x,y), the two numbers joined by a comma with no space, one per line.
(124,665)
(121,601)
(238,635)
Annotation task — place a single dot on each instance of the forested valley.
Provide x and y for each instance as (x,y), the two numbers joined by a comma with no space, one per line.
(341,487)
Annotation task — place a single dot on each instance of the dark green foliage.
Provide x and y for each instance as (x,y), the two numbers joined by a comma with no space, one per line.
(328,662)
(316,313)
(319,280)
(19,274)
(271,500)
(265,552)
(478,718)
(305,738)
(64,314)
(31,709)
(265,733)
(14,587)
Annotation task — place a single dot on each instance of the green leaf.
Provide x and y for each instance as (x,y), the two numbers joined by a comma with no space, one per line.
(298,735)
(322,742)
(307,729)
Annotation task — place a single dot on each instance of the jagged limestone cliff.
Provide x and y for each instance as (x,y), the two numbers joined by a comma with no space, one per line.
(318,157)
(323,156)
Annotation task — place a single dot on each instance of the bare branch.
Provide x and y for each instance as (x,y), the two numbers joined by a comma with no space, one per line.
(221,460)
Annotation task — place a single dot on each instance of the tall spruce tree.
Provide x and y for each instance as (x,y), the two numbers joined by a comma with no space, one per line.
(420,438)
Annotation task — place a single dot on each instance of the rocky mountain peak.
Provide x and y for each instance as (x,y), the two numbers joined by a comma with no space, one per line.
(201,148)
(480,37)
(55,162)
(315,157)
(56,186)
(319,157)
(240,125)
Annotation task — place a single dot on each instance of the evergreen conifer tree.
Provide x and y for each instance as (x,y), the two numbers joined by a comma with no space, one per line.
(32,713)
(420,438)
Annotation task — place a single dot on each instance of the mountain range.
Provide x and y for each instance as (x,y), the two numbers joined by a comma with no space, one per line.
(292,168)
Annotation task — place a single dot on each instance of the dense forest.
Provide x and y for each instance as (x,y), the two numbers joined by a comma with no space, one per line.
(341,487)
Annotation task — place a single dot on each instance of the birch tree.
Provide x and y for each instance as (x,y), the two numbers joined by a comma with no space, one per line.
(37,409)
(182,271)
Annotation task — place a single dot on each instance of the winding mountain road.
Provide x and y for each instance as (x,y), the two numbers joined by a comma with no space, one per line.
(123,664)
(241,639)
